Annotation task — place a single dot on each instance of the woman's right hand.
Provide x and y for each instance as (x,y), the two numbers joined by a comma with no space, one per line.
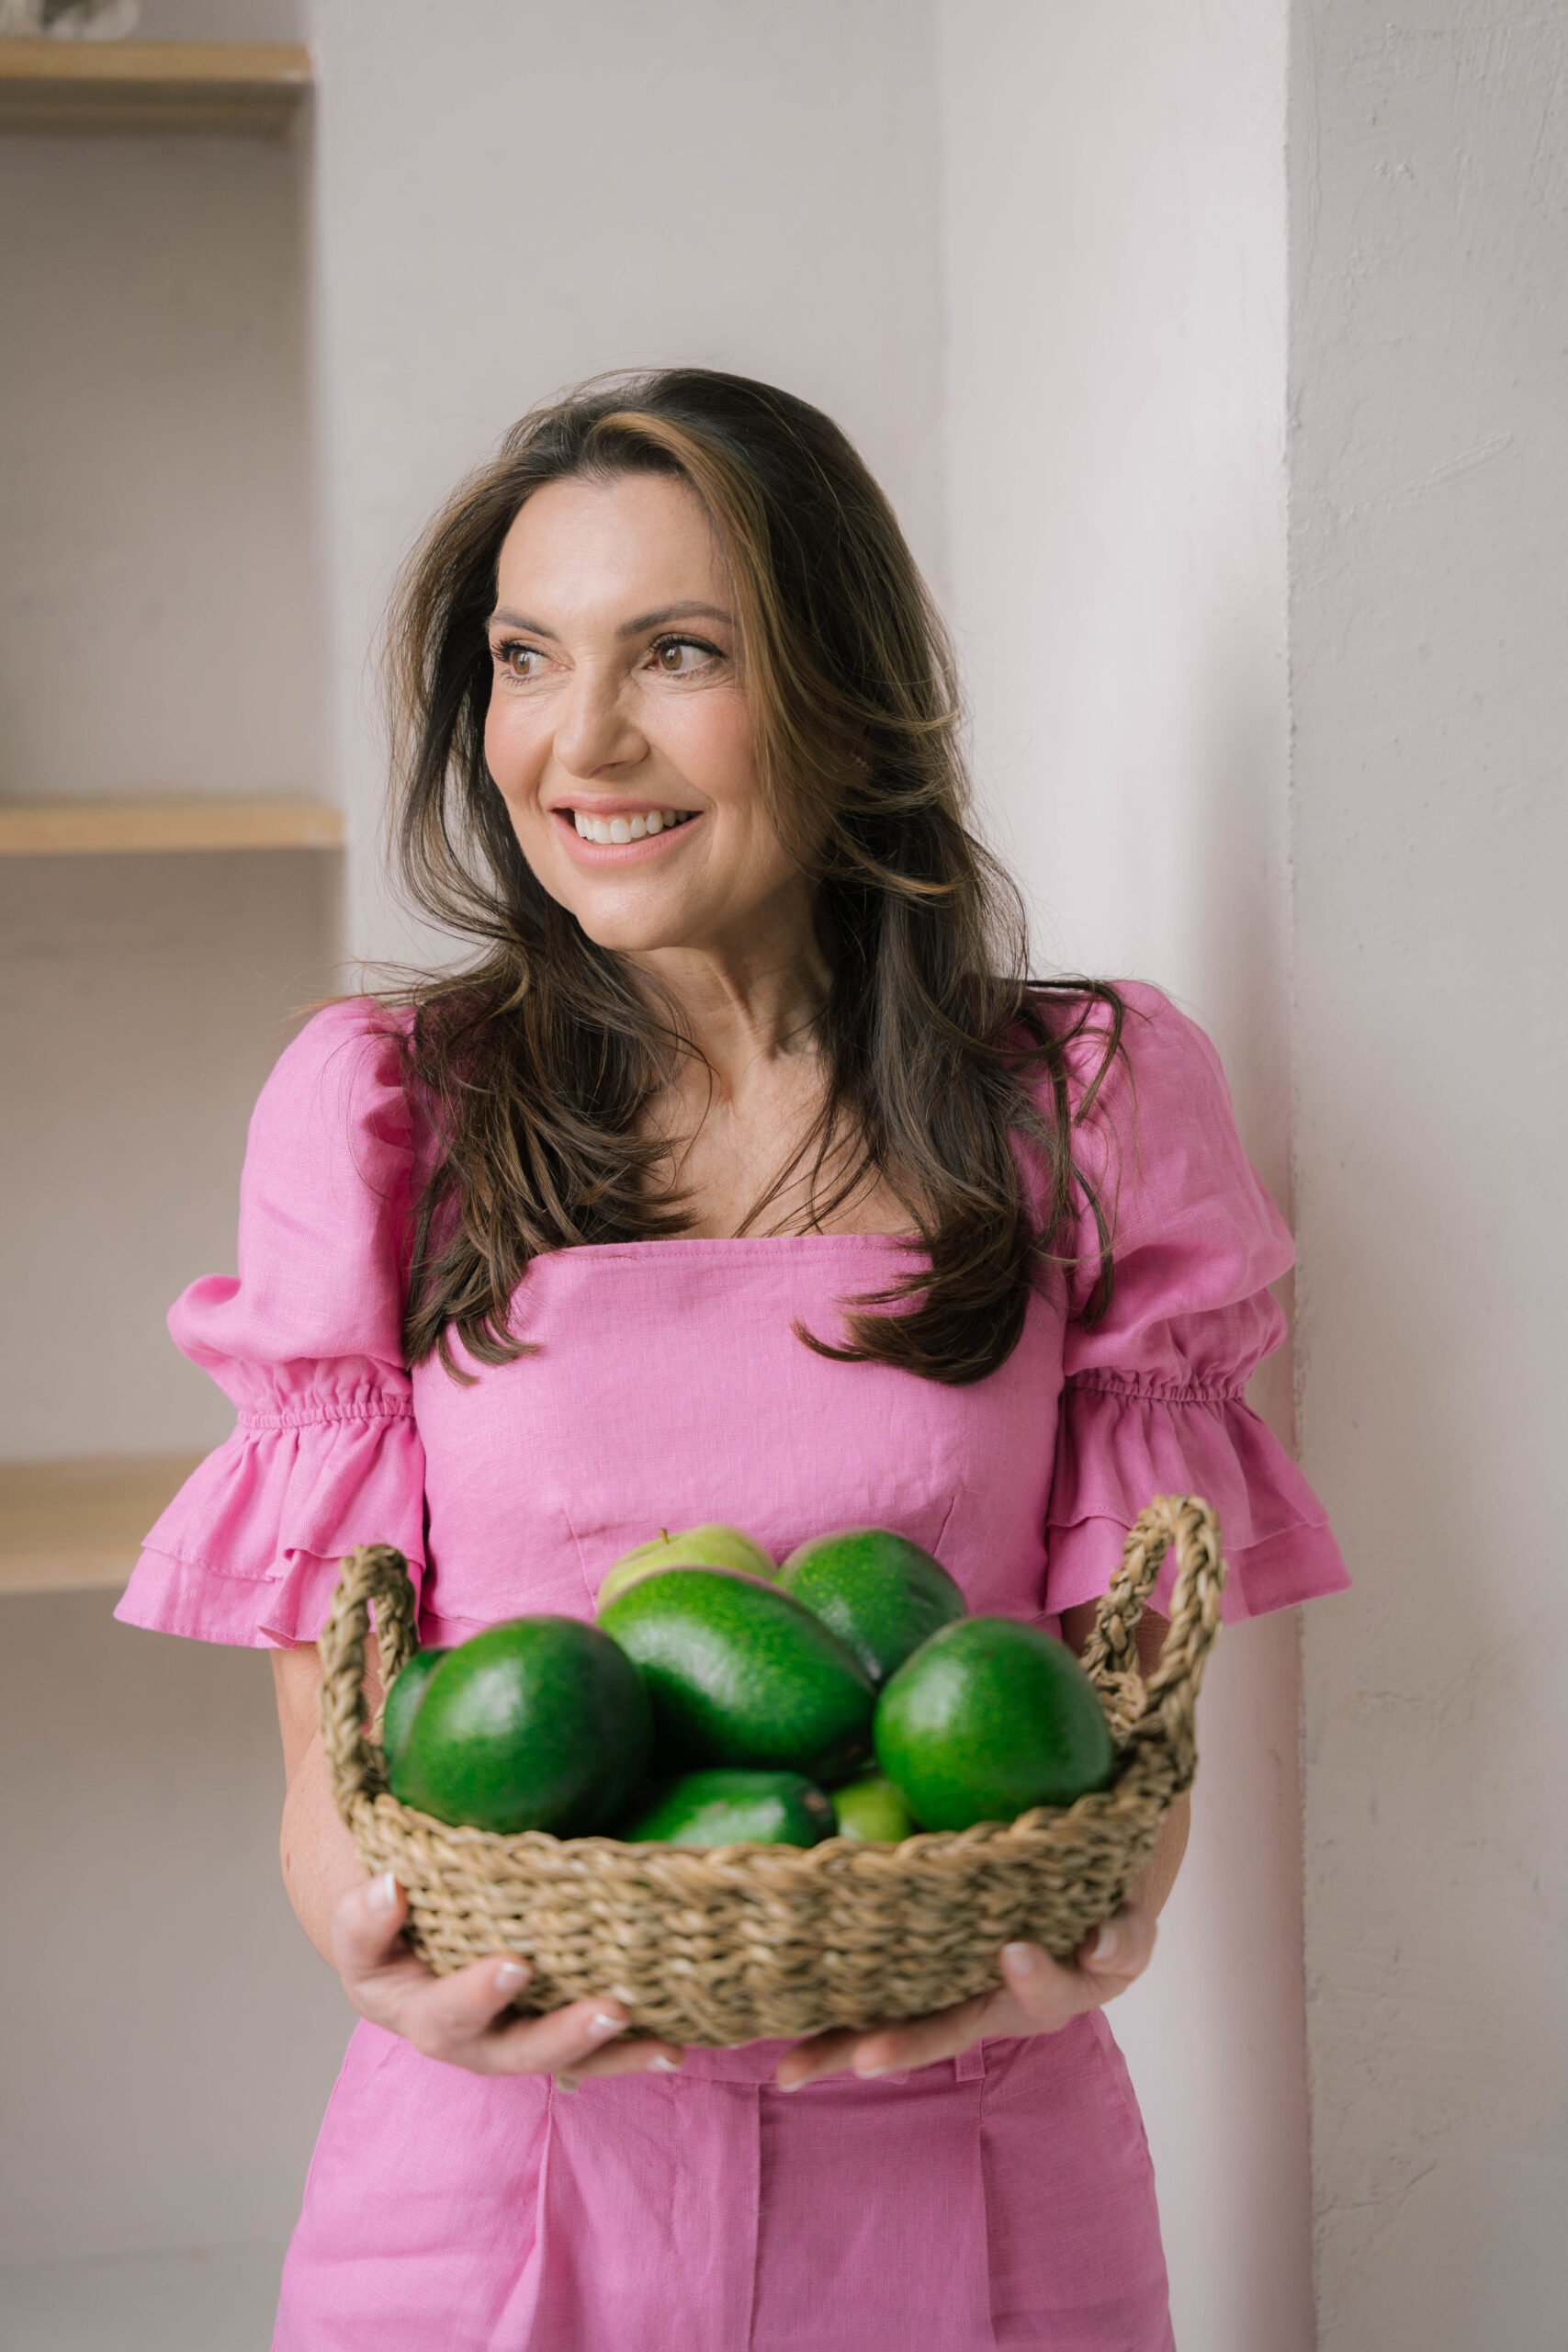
(461,2019)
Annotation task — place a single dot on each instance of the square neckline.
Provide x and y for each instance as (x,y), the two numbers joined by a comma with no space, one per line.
(742,1241)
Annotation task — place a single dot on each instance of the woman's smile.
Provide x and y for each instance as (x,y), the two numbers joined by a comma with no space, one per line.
(601,831)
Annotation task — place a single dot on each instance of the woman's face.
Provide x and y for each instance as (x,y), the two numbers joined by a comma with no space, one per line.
(618,732)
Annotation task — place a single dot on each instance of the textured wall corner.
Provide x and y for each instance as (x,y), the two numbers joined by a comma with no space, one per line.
(1429,481)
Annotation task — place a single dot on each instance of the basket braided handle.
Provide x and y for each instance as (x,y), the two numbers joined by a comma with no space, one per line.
(1170,1695)
(375,1573)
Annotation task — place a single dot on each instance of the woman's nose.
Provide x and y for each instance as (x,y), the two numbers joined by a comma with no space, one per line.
(594,729)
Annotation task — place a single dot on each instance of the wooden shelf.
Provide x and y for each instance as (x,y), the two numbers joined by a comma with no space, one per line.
(251,87)
(77,1526)
(127,827)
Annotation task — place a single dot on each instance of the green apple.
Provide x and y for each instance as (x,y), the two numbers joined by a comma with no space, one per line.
(711,1547)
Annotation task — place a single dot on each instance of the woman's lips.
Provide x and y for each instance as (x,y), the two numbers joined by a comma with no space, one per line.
(630,850)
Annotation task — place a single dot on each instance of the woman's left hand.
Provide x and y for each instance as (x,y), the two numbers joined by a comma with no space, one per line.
(1038,1995)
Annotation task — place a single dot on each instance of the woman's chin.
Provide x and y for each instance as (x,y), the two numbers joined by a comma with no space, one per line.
(631,931)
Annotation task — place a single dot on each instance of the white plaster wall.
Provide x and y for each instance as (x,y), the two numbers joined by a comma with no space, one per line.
(1429,612)
(221,20)
(539,194)
(157,611)
(1114,252)
(142,1000)
(171,2038)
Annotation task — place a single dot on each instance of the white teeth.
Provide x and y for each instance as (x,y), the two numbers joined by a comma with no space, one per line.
(651,821)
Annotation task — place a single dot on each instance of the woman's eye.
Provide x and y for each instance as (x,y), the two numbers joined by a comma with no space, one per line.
(522,661)
(678,657)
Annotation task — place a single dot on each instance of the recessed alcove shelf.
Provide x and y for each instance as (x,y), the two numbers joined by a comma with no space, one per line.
(122,827)
(254,88)
(76,1526)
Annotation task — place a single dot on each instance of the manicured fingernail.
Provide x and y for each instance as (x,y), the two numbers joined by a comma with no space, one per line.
(383,1893)
(869,2073)
(601,2026)
(510,1976)
(1023,1958)
(1107,1944)
(662,2066)
(798,2084)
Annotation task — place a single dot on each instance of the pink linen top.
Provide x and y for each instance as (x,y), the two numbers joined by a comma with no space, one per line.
(667,1388)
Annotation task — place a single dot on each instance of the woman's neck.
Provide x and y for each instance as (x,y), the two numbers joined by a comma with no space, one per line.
(743,1003)
(742,1105)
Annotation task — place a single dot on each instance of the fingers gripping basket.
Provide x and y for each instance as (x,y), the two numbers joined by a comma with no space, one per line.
(741,1943)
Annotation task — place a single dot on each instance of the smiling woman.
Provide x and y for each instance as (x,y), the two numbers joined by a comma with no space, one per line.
(682,597)
(745,1175)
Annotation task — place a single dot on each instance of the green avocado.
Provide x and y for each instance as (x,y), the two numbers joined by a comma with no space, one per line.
(539,1724)
(728,1808)
(872,1810)
(881,1594)
(406,1691)
(989,1717)
(740,1673)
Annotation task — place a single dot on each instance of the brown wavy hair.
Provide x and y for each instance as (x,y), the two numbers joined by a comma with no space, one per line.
(537,1066)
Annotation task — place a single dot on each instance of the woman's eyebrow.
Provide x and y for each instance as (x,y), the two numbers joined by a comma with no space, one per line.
(645,621)
(504,618)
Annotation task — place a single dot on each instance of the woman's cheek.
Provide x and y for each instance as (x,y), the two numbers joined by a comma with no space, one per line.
(715,752)
(503,750)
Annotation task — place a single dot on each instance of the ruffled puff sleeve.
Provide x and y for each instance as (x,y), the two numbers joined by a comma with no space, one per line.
(308,1344)
(1154,1400)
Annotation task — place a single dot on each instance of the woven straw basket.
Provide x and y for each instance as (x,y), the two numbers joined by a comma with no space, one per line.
(741,1943)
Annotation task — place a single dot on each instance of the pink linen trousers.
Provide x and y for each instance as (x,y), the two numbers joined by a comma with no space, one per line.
(1002,2198)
